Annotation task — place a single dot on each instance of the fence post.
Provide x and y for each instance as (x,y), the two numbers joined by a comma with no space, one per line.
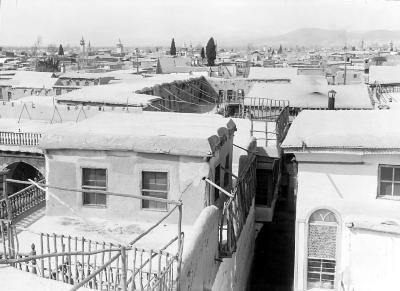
(4,173)
(179,248)
(33,253)
(124,269)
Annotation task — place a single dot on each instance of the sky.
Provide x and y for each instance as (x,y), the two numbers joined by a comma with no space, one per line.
(155,22)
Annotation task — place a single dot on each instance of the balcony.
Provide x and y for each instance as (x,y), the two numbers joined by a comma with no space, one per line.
(29,139)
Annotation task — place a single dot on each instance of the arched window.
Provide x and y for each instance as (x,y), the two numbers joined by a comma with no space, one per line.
(321,251)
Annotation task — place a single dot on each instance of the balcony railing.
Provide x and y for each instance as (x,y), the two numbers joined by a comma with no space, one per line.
(20,138)
(22,201)
(236,210)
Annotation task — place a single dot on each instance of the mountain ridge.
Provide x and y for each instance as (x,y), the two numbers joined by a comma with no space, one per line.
(329,37)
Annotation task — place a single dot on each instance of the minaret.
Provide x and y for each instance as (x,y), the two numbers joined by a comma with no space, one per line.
(120,47)
(83,51)
(83,48)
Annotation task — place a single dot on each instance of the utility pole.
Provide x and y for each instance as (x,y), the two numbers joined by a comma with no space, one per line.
(345,65)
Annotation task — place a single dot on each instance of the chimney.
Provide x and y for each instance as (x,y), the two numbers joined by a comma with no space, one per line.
(331,99)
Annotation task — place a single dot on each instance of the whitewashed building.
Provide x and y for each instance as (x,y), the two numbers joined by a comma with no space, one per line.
(347,210)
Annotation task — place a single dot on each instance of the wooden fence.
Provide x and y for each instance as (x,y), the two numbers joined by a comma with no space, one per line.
(87,263)
(92,264)
(21,201)
(20,138)
(236,209)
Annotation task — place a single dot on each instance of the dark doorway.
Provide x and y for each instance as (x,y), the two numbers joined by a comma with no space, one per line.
(274,253)
(20,171)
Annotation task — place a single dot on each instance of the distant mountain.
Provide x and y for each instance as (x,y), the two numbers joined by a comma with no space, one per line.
(326,37)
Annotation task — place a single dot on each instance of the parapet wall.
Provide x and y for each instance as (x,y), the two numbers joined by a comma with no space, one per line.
(199,267)
(233,273)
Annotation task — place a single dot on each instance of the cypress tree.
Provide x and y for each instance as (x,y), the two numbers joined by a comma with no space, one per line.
(280,50)
(60,50)
(202,53)
(211,52)
(172,49)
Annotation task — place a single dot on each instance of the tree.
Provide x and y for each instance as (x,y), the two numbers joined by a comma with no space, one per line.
(280,50)
(60,50)
(172,49)
(202,53)
(211,52)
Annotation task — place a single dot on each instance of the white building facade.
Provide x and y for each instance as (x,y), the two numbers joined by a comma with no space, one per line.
(348,200)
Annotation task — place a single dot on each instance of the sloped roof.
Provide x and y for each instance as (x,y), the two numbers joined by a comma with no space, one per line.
(344,129)
(384,74)
(312,92)
(146,132)
(272,73)
(30,79)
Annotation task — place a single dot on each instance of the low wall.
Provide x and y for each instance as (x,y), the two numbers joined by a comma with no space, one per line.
(199,266)
(233,273)
(201,270)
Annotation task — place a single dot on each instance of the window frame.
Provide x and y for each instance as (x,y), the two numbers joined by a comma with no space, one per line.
(390,197)
(167,191)
(336,260)
(83,187)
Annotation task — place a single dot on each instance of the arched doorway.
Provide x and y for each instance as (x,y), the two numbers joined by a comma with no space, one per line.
(21,171)
(321,250)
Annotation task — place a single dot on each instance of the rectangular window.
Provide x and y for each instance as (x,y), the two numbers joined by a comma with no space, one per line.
(321,273)
(154,184)
(389,181)
(94,179)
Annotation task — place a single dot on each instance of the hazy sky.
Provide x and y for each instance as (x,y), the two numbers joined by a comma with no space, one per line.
(155,22)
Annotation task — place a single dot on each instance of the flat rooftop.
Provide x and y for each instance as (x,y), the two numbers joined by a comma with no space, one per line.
(313,93)
(147,132)
(100,230)
(344,130)
(113,94)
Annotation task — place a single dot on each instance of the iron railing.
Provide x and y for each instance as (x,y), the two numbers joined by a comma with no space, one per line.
(236,209)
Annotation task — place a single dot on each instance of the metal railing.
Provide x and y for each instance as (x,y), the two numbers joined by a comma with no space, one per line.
(282,123)
(263,108)
(20,138)
(236,209)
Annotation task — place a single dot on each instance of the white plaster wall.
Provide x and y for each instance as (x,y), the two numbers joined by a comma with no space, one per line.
(350,190)
(199,267)
(233,273)
(201,270)
(373,261)
(124,176)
